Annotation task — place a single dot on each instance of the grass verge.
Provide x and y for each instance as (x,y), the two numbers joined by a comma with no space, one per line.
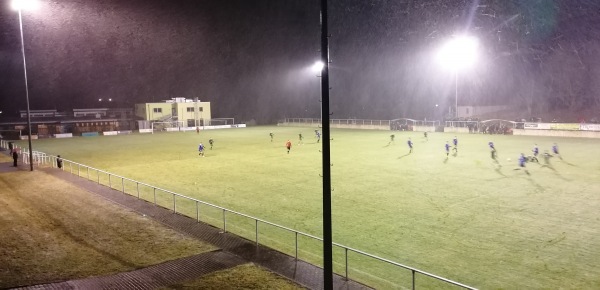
(53,231)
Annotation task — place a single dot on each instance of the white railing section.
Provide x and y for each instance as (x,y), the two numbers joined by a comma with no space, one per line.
(41,158)
(362,122)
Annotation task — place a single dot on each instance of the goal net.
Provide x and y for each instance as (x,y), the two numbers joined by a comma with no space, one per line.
(222,121)
(169,126)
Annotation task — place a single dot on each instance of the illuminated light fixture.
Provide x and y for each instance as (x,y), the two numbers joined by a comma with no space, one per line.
(19,5)
(318,66)
(459,53)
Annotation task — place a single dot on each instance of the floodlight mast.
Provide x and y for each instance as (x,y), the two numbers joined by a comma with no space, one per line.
(326,150)
(20,5)
(458,54)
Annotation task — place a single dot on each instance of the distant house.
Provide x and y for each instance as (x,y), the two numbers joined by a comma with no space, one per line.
(190,112)
(47,123)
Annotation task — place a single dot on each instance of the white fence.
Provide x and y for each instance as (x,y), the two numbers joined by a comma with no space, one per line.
(158,194)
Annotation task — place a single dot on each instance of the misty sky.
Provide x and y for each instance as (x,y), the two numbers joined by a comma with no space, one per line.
(250,59)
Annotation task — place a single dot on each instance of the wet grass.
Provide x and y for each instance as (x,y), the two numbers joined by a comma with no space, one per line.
(463,217)
(53,231)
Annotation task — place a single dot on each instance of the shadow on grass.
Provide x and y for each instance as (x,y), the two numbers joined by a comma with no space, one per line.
(549,166)
(499,171)
(568,163)
(403,155)
(538,187)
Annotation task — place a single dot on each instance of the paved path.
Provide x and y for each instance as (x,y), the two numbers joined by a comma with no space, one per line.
(235,250)
(165,274)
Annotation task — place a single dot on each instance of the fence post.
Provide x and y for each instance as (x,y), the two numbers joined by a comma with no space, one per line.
(78,169)
(123,184)
(256,231)
(88,172)
(197,211)
(154,195)
(224,222)
(296,246)
(71,167)
(346,250)
(98,172)
(137,188)
(174,205)
(109,181)
(413,280)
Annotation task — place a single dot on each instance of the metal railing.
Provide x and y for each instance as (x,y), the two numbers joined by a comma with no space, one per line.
(359,122)
(83,171)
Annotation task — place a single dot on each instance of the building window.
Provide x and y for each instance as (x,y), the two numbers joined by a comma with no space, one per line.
(200,109)
(157,110)
(190,109)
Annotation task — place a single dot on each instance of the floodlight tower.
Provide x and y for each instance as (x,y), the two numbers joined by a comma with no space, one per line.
(19,5)
(326,150)
(456,55)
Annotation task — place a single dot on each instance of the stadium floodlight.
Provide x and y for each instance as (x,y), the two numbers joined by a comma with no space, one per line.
(318,67)
(20,5)
(458,54)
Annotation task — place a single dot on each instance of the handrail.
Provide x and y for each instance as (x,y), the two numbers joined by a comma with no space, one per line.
(257,220)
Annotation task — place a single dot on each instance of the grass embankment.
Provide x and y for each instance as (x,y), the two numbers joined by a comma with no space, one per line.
(6,158)
(54,231)
(248,276)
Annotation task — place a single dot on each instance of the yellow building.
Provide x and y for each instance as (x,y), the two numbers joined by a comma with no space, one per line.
(190,112)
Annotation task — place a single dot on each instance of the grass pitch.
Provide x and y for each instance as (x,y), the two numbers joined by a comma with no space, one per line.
(462,217)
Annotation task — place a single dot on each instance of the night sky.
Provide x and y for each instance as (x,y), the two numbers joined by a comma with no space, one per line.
(251,59)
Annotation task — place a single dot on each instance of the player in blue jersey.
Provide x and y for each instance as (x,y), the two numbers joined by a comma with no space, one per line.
(201,149)
(555,150)
(536,152)
(410,145)
(522,161)
(492,150)
(455,142)
(447,146)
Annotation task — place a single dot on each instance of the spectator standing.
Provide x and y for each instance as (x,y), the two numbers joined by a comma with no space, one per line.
(59,162)
(15,157)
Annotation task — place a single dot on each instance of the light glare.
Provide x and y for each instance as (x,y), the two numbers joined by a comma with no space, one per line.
(318,66)
(19,5)
(459,53)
